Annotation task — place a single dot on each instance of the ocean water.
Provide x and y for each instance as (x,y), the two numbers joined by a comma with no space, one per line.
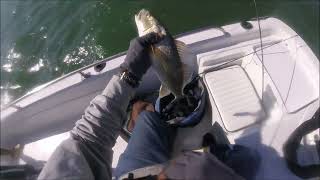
(45,39)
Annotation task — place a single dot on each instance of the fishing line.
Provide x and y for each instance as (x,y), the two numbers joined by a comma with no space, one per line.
(226,63)
(262,60)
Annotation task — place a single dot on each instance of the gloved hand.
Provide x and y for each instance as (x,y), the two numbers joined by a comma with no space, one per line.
(138,60)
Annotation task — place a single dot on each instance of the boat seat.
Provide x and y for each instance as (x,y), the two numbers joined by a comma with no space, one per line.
(236,99)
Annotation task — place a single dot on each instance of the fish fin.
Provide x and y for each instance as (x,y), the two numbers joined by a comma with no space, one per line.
(159,55)
(181,48)
(188,74)
(164,91)
(186,58)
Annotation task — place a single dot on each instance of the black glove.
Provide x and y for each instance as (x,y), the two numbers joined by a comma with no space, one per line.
(138,60)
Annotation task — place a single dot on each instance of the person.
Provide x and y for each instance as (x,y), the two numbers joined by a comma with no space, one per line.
(87,153)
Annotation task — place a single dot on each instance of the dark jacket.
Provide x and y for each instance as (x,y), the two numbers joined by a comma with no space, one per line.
(87,154)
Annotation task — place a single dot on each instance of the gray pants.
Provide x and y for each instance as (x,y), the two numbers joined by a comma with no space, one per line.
(151,143)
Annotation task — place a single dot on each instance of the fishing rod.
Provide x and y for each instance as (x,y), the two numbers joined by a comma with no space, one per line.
(262,60)
(261,49)
(235,59)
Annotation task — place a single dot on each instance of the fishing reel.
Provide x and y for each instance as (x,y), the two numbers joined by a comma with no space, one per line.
(185,111)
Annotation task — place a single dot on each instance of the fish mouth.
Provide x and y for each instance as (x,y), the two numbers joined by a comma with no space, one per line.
(144,20)
(143,13)
(147,23)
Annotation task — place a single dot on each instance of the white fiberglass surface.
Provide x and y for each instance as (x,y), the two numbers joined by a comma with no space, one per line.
(236,99)
(288,66)
(42,150)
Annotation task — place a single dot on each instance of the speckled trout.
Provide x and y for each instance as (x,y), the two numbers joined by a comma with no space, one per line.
(167,56)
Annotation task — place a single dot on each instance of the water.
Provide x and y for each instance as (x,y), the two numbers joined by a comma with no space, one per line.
(42,40)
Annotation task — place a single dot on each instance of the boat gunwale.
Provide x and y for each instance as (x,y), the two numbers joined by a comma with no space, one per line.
(12,104)
(180,35)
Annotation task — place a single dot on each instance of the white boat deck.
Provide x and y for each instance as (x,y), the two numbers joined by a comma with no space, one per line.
(258,101)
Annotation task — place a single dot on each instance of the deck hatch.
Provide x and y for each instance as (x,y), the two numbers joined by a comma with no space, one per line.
(235,97)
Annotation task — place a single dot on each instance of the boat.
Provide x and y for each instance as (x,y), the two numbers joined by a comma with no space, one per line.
(261,79)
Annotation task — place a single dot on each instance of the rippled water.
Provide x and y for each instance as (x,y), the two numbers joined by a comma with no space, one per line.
(44,39)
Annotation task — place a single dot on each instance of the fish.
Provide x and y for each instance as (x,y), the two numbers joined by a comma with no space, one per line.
(167,56)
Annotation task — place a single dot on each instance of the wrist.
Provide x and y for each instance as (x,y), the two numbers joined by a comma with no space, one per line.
(129,78)
(136,70)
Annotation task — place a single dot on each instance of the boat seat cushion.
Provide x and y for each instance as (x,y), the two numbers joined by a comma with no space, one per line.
(236,99)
